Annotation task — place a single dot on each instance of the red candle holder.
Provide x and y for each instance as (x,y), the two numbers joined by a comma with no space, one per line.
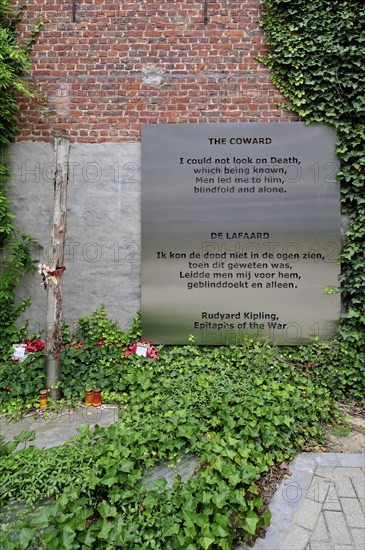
(97,397)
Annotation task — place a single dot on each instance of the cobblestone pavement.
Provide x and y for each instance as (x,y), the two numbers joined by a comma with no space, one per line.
(321,506)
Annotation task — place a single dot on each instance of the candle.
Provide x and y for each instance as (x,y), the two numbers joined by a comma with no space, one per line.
(89,397)
(43,394)
(97,398)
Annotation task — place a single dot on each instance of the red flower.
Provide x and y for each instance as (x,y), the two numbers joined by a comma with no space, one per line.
(151,352)
(131,349)
(57,356)
(77,345)
(33,345)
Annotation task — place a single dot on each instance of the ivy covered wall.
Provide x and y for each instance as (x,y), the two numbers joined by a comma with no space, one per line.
(314,52)
(15,258)
(317,58)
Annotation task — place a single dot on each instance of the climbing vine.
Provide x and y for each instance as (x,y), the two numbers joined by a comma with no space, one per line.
(317,58)
(236,411)
(15,257)
(225,406)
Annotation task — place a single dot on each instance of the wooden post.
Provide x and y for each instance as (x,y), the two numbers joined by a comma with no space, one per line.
(56,260)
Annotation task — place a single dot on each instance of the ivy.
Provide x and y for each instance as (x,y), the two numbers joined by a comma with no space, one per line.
(15,257)
(226,406)
(237,409)
(13,63)
(317,58)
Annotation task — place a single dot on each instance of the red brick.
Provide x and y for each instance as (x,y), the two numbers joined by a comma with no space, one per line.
(96,74)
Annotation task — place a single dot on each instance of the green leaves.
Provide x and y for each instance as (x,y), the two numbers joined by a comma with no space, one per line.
(251,521)
(317,58)
(25,537)
(95,480)
(234,421)
(107,511)
(171,527)
(16,259)
(227,406)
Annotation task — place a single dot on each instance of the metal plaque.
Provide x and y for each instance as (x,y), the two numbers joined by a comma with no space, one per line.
(240,232)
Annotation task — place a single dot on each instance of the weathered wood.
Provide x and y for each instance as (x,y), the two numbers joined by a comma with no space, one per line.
(56,259)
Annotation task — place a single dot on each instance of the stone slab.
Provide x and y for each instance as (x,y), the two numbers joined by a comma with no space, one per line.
(297,538)
(320,533)
(358,536)
(353,512)
(337,528)
(184,469)
(57,428)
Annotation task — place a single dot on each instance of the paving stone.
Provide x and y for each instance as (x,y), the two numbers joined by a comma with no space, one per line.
(358,536)
(336,483)
(271,541)
(351,460)
(332,500)
(318,489)
(282,513)
(291,492)
(293,488)
(297,539)
(185,469)
(337,528)
(308,513)
(359,486)
(316,545)
(301,477)
(332,503)
(59,427)
(320,532)
(344,487)
(353,513)
(327,459)
(304,461)
(325,471)
(345,471)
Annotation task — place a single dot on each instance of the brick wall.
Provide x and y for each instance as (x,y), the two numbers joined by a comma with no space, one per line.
(103,67)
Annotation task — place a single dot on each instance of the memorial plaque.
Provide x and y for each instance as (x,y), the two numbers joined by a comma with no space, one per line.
(240,232)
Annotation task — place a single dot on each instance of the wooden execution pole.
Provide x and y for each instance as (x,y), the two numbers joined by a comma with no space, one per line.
(56,261)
